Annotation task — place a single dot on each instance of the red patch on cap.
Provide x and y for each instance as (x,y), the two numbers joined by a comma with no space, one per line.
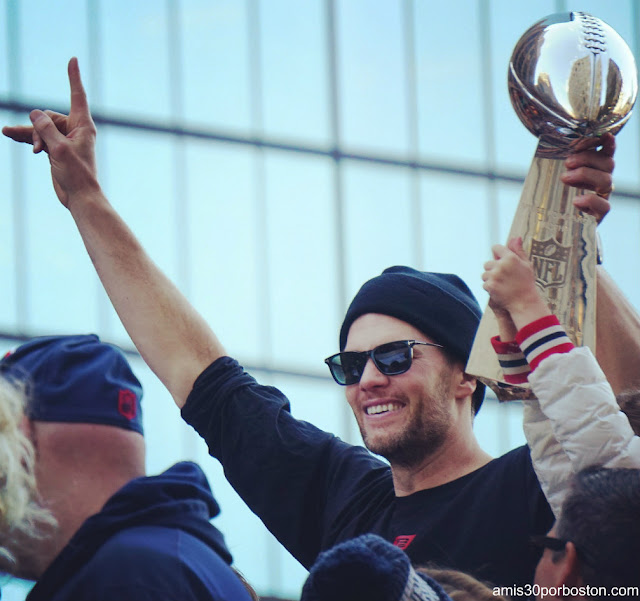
(127,406)
(9,352)
(404,540)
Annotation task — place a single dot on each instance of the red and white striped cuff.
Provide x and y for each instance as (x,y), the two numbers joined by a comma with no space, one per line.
(512,361)
(542,338)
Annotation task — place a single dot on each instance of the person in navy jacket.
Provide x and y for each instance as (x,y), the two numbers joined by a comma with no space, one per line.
(119,534)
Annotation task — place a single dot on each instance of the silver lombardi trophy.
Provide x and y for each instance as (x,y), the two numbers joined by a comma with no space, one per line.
(571,77)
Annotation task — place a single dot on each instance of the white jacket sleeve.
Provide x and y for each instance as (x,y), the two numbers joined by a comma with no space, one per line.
(550,462)
(585,418)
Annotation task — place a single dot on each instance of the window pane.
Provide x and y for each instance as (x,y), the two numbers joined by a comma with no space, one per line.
(301,260)
(223,250)
(6,51)
(378,221)
(449,74)
(508,21)
(61,283)
(16,589)
(456,225)
(620,235)
(294,70)
(46,47)
(8,344)
(135,59)
(138,176)
(321,403)
(618,15)
(9,155)
(372,75)
(508,197)
(498,426)
(216,63)
(160,419)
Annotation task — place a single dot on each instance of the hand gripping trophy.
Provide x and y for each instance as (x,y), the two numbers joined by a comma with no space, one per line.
(571,77)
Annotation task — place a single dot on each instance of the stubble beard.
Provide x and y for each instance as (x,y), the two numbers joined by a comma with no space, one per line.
(425,433)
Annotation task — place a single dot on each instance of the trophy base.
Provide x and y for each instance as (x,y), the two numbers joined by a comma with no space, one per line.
(508,392)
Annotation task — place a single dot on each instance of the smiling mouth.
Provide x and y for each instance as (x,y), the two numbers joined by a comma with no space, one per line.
(382,408)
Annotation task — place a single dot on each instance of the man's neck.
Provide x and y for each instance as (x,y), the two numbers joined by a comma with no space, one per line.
(85,496)
(450,461)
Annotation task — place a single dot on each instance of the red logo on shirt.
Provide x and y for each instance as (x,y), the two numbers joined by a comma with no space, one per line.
(127,404)
(404,540)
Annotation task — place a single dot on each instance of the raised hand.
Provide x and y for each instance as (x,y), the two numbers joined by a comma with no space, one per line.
(590,169)
(69,140)
(510,282)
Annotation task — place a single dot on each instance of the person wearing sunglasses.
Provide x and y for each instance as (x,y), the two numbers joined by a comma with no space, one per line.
(592,552)
(404,344)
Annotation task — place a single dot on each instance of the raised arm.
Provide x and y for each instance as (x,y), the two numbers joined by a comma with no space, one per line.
(617,335)
(617,321)
(170,335)
(577,422)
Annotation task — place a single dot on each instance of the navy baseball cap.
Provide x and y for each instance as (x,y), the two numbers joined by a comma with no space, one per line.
(76,379)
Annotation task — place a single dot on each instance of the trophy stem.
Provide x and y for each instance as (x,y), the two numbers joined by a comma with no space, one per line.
(561,243)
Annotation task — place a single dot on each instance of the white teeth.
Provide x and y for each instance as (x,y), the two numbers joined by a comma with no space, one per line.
(375,409)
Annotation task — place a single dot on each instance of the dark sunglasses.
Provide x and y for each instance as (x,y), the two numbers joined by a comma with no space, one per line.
(391,359)
(558,544)
(548,542)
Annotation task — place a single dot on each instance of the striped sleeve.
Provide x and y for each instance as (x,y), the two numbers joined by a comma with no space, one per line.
(542,338)
(512,361)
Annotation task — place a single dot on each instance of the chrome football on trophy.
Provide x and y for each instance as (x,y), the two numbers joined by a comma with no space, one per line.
(571,77)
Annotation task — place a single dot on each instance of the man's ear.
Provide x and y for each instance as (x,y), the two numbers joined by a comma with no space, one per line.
(568,572)
(466,386)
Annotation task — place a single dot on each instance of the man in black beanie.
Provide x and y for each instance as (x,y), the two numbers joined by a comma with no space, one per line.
(404,344)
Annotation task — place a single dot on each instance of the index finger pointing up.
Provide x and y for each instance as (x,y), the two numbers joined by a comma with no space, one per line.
(79,104)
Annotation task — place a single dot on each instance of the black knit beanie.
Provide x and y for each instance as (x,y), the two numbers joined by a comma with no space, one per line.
(368,567)
(438,304)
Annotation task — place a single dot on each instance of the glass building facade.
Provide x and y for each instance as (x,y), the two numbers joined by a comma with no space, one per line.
(272,155)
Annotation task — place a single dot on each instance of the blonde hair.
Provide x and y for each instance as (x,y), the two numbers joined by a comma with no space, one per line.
(21,515)
(460,586)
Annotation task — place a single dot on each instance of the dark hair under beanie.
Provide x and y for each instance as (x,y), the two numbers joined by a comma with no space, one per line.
(368,567)
(438,304)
